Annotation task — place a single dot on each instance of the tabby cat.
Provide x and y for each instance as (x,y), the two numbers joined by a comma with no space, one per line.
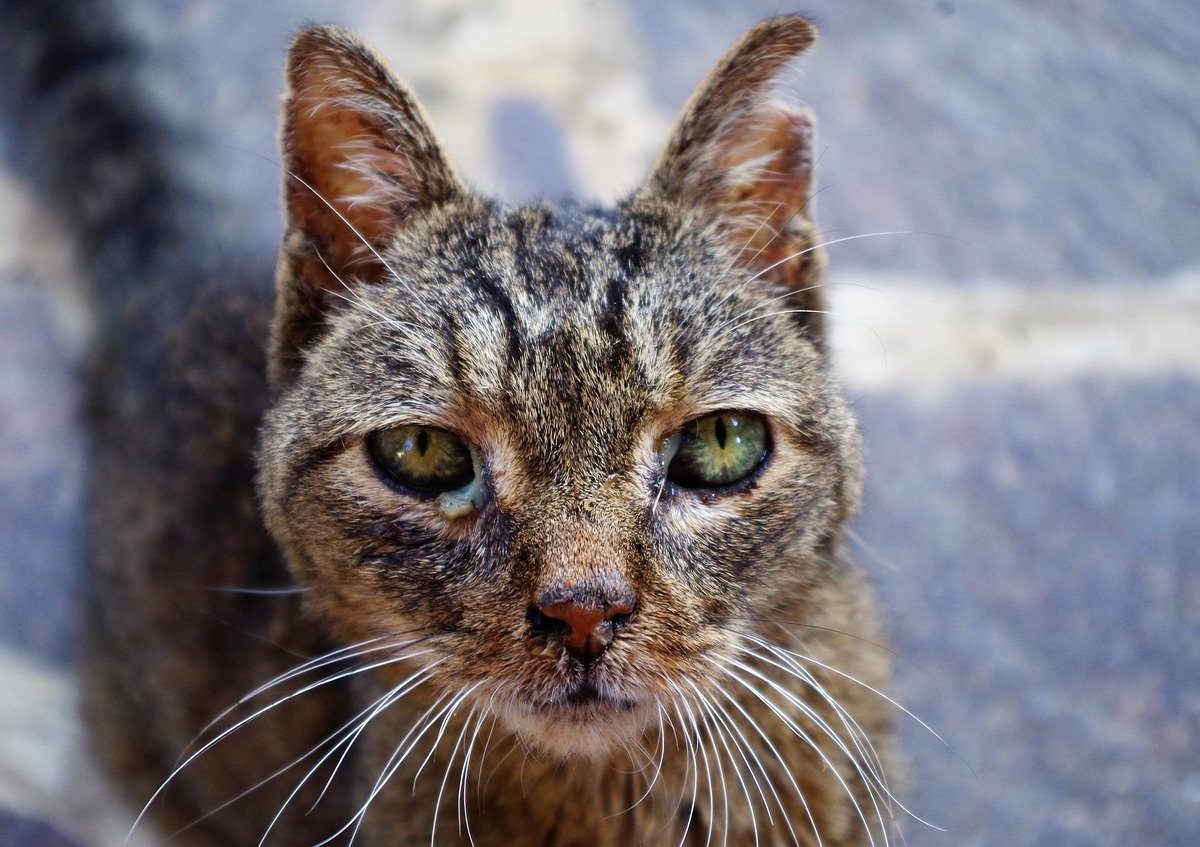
(553,495)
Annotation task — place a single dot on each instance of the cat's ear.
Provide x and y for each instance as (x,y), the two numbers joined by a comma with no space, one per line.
(360,162)
(741,160)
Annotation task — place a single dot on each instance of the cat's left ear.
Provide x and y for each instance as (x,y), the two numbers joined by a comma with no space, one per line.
(741,160)
(361,163)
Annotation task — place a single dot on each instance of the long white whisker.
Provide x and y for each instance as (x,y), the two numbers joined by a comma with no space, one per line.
(332,657)
(464,793)
(710,706)
(662,746)
(344,728)
(706,720)
(380,704)
(871,759)
(708,779)
(428,670)
(448,712)
(795,669)
(731,732)
(800,253)
(800,733)
(355,297)
(784,767)
(259,713)
(829,243)
(694,769)
(437,805)
(872,780)
(869,687)
(423,724)
(351,226)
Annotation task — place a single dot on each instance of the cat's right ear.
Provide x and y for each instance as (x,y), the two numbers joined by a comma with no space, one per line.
(360,162)
(740,162)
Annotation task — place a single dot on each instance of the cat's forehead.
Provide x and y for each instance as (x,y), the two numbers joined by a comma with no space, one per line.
(553,316)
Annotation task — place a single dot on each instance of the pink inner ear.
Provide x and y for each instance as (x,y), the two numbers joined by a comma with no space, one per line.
(360,158)
(762,182)
(346,183)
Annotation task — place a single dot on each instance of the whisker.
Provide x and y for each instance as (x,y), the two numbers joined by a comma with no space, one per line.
(783,766)
(710,706)
(352,228)
(803,674)
(464,776)
(799,253)
(393,765)
(224,734)
(355,297)
(304,667)
(379,705)
(869,687)
(311,751)
(708,726)
(800,733)
(786,625)
(437,805)
(241,589)
(693,770)
(708,780)
(872,778)
(662,746)
(871,760)
(423,722)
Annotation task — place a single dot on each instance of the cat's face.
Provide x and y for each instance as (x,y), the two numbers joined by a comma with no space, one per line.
(573,452)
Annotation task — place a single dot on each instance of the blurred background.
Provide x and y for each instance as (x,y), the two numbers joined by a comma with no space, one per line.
(1024,355)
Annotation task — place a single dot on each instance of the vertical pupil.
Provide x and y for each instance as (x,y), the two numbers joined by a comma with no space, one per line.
(719,432)
(422,441)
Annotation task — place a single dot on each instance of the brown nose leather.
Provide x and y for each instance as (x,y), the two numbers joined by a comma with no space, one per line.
(587,627)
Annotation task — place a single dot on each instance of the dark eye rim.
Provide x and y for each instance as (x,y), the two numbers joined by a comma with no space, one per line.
(388,476)
(741,484)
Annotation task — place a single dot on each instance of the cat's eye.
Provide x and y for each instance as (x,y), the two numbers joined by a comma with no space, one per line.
(717,450)
(422,459)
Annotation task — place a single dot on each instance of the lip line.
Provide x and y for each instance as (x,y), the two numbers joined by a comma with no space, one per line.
(582,697)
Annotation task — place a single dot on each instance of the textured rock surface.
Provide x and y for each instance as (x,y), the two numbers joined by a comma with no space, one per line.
(1032,522)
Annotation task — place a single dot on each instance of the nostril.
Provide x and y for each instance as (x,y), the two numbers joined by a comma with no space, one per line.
(585,629)
(620,621)
(541,625)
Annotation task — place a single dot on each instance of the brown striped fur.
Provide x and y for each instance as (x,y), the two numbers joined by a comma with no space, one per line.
(565,342)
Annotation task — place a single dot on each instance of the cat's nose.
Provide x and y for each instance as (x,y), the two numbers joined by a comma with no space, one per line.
(585,624)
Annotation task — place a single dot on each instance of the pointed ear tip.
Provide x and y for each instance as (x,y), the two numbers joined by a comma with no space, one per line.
(803,116)
(795,33)
(318,38)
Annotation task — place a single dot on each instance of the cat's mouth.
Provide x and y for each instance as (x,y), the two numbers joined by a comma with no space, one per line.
(581,719)
(581,702)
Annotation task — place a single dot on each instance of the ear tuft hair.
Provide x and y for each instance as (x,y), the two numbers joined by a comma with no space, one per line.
(361,162)
(742,161)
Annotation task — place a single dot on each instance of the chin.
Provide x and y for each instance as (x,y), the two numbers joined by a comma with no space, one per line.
(590,726)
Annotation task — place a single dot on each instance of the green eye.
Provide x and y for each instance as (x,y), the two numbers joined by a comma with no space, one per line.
(423,459)
(718,450)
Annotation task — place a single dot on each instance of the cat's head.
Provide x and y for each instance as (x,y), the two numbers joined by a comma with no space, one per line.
(575,451)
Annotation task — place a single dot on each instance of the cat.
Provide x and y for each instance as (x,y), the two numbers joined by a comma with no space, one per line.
(491,524)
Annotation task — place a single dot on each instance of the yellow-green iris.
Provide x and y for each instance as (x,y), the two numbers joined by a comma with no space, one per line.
(423,459)
(719,449)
